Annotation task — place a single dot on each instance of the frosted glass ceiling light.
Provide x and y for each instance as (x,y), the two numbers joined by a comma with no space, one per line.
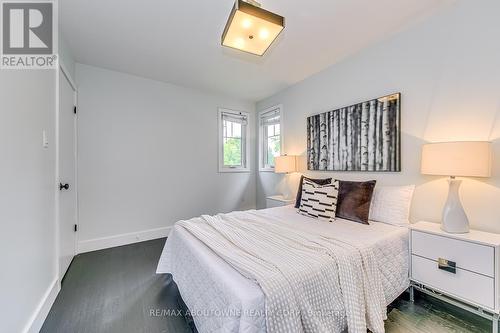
(250,28)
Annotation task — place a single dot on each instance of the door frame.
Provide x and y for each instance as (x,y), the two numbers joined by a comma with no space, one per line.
(62,69)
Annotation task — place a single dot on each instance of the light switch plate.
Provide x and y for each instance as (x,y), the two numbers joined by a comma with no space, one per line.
(45,139)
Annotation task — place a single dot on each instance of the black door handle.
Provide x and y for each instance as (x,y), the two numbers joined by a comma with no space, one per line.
(63,186)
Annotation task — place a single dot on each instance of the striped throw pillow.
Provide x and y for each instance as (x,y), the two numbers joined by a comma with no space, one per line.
(319,201)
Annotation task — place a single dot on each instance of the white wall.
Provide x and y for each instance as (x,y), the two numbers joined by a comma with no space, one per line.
(148,155)
(66,58)
(27,194)
(448,71)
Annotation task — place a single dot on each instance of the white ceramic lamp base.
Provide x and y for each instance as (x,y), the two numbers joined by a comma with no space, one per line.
(287,194)
(454,218)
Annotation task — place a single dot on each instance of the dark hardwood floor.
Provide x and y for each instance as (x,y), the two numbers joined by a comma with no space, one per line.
(117,290)
(430,315)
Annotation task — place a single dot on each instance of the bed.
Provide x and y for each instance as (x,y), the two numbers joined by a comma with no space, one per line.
(221,299)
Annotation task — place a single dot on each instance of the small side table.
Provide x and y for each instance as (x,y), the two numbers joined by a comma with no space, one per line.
(278,201)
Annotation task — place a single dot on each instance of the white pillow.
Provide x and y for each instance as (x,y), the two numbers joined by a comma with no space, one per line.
(319,201)
(391,204)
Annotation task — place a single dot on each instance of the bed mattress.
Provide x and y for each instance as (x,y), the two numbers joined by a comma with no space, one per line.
(220,299)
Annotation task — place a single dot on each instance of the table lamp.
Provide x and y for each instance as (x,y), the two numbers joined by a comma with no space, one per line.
(285,164)
(455,159)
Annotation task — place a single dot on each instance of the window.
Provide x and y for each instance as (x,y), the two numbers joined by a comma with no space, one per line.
(270,137)
(233,133)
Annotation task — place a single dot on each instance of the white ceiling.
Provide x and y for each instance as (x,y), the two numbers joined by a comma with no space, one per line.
(179,41)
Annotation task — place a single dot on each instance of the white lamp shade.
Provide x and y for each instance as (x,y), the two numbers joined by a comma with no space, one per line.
(466,158)
(285,164)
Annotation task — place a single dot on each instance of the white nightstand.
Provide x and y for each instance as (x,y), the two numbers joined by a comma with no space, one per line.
(277,201)
(461,269)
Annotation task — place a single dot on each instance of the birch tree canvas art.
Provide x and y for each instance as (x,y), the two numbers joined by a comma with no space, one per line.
(361,137)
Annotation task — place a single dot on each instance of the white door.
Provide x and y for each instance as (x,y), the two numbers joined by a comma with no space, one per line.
(67,174)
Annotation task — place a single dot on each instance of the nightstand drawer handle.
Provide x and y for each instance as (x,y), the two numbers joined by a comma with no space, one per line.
(447,265)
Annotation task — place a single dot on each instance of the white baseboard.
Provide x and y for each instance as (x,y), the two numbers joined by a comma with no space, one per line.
(38,317)
(122,239)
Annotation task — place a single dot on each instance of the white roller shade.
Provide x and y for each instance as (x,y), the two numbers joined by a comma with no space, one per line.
(235,118)
(271,117)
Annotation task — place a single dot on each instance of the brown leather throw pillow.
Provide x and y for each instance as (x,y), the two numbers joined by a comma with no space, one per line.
(354,200)
(317,181)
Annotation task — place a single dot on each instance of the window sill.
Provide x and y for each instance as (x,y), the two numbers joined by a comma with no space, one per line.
(266,169)
(234,170)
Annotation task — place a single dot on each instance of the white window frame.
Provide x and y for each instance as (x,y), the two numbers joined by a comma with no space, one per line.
(245,138)
(262,166)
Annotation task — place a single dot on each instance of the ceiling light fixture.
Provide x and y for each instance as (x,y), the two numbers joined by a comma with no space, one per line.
(248,20)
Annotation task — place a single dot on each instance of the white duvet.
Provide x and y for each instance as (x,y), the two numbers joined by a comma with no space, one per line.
(316,276)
